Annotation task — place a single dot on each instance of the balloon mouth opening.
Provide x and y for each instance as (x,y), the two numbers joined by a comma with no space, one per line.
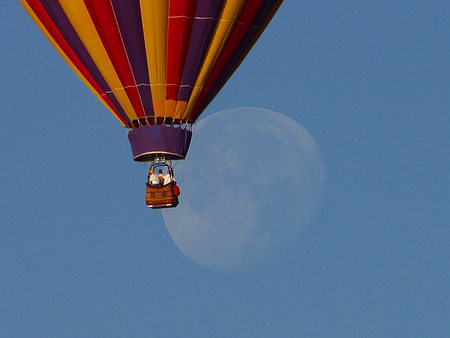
(151,156)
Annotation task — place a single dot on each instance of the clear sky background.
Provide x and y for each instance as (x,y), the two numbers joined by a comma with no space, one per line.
(81,255)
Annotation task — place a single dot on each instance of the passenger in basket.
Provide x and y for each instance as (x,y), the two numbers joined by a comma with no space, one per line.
(154,180)
(160,177)
(168,178)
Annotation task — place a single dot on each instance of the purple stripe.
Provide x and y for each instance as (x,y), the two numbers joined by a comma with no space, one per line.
(128,15)
(169,140)
(202,31)
(61,21)
(256,28)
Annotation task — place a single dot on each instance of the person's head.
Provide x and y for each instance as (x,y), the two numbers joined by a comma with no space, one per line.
(150,171)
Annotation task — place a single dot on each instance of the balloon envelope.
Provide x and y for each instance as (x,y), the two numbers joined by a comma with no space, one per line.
(155,64)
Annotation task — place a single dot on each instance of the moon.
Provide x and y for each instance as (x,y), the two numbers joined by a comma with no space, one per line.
(252,180)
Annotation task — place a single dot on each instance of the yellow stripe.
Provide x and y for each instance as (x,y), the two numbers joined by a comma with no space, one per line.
(64,56)
(228,18)
(180,109)
(154,20)
(82,23)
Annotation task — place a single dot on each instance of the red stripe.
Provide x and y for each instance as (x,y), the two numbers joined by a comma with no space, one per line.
(274,7)
(248,14)
(102,14)
(43,16)
(178,35)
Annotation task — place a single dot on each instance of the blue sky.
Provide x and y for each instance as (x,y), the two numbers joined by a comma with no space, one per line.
(80,255)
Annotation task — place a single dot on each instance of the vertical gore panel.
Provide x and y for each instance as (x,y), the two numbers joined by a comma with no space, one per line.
(206,15)
(227,21)
(105,22)
(181,16)
(80,19)
(66,58)
(128,15)
(87,66)
(250,11)
(265,14)
(154,21)
(50,30)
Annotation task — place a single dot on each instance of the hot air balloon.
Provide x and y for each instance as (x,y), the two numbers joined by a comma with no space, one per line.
(155,64)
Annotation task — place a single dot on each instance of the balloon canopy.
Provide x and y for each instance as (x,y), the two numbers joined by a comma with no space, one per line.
(155,64)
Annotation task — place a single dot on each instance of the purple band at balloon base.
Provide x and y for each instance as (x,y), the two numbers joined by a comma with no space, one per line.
(149,142)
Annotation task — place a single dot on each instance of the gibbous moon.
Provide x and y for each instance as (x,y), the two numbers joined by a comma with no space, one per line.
(252,179)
